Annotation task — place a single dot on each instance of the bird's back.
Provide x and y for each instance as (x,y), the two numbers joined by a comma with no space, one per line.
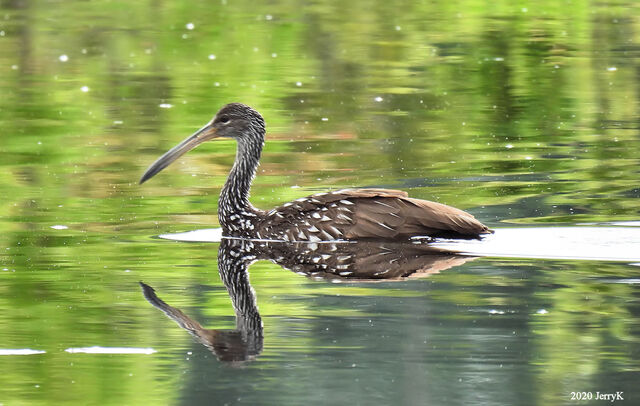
(354,214)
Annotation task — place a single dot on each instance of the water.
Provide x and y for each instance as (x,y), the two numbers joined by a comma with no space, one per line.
(524,115)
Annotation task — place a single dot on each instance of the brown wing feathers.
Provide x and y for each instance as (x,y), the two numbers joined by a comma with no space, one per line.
(443,217)
(381,213)
(372,214)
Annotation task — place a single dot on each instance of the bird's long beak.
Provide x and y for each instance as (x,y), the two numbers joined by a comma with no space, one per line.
(204,134)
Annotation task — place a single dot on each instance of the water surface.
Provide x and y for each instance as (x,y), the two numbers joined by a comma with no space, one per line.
(526,115)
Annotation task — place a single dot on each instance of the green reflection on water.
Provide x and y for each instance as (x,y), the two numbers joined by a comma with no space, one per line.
(518,112)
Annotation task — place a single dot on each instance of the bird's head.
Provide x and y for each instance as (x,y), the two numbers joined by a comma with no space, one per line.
(234,120)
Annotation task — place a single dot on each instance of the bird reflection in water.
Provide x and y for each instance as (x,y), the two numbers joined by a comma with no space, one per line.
(350,261)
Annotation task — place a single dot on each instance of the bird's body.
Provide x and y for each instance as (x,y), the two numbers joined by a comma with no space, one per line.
(350,214)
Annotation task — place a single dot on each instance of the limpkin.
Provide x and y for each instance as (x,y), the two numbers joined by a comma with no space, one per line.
(350,214)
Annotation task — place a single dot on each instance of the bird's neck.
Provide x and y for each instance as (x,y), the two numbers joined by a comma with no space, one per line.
(234,208)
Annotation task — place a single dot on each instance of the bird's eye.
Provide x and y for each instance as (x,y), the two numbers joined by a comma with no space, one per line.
(224,119)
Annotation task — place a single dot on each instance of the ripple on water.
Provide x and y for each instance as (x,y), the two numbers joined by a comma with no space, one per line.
(577,242)
(601,243)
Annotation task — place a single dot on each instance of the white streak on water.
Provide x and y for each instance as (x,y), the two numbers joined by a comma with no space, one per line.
(110,350)
(204,235)
(621,243)
(20,351)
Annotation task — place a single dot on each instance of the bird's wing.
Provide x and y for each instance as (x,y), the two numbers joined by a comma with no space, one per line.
(398,216)
(369,213)
(322,216)
(442,217)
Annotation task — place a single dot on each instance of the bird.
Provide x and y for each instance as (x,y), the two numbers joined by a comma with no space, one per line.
(347,214)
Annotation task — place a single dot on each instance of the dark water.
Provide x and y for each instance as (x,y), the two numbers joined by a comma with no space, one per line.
(526,115)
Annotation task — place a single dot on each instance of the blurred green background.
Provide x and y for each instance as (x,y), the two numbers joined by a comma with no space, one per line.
(517,111)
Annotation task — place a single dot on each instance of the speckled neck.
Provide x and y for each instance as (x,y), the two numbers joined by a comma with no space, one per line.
(235,212)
